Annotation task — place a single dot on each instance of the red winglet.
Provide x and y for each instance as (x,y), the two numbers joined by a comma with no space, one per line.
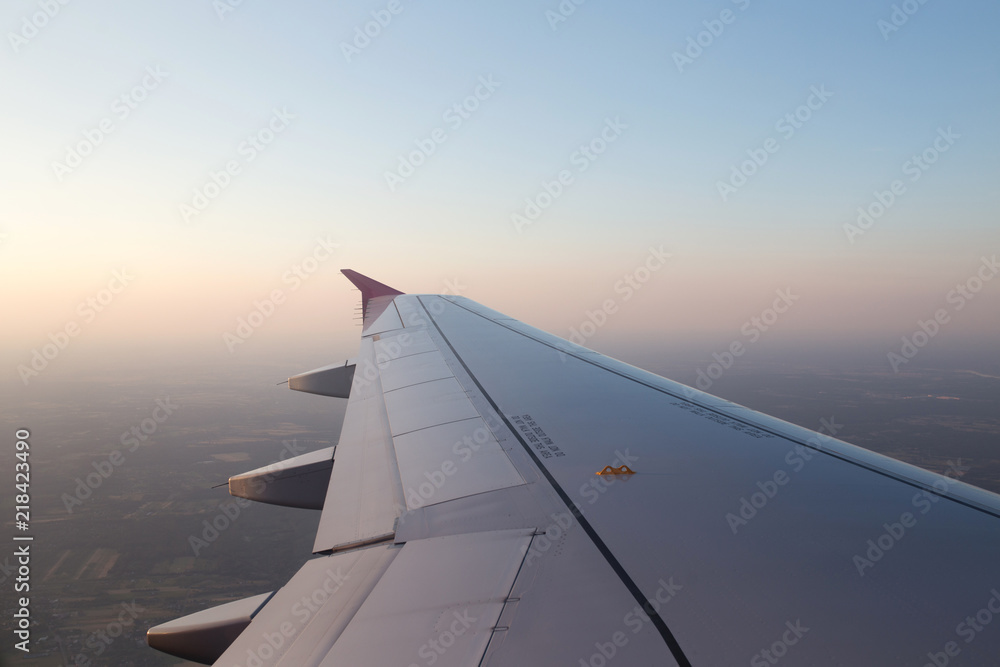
(369,288)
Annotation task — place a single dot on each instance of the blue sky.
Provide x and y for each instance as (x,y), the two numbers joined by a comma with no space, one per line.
(556,86)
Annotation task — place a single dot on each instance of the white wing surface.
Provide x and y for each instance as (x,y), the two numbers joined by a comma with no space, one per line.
(499,496)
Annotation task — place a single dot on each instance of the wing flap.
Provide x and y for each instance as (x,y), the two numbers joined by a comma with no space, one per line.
(414,369)
(435,599)
(450,461)
(304,619)
(437,604)
(364,496)
(403,344)
(428,404)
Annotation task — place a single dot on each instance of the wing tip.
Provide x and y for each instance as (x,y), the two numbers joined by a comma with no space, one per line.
(370,288)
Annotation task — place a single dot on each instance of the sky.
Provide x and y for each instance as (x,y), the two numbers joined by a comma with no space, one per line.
(618,172)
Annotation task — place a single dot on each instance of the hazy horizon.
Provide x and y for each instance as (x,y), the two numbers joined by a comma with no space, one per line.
(253,148)
(792,206)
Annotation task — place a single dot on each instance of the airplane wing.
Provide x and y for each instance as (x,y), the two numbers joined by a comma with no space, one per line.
(500,496)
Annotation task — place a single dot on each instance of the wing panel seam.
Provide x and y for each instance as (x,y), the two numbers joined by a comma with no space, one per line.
(878,471)
(630,585)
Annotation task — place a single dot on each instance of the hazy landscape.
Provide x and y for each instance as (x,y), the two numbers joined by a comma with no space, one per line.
(130,540)
(125,549)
